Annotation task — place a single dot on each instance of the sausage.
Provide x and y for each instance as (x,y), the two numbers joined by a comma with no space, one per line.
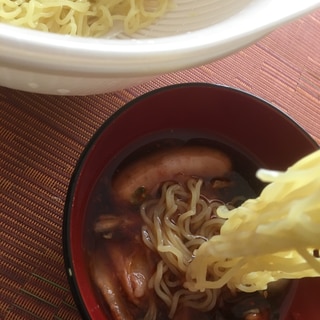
(180,163)
(106,280)
(122,272)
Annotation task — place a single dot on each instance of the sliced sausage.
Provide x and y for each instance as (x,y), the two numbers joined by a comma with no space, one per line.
(145,175)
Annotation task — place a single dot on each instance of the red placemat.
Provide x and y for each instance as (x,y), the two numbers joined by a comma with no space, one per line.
(42,137)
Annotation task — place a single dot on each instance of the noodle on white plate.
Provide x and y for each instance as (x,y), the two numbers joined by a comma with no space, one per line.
(275,236)
(90,18)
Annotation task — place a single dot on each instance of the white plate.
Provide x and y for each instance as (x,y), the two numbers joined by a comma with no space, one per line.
(193,33)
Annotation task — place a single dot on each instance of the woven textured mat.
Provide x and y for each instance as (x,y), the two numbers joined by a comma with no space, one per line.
(43,136)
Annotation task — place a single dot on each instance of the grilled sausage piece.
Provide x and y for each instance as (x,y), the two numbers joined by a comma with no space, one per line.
(145,175)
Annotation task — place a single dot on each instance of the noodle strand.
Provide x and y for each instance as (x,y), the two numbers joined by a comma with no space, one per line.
(268,238)
(177,228)
(92,18)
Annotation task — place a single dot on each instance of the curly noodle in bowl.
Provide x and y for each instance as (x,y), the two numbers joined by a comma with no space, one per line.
(275,236)
(186,244)
(175,225)
(91,18)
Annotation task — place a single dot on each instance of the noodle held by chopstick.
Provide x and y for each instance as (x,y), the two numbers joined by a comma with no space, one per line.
(274,236)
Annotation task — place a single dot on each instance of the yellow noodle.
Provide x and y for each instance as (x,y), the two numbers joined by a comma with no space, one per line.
(174,230)
(210,246)
(268,238)
(206,303)
(83,18)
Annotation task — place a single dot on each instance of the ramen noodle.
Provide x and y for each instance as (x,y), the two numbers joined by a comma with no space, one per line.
(175,225)
(198,248)
(176,188)
(272,237)
(82,18)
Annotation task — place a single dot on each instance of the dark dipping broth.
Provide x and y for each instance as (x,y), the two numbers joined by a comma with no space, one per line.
(109,252)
